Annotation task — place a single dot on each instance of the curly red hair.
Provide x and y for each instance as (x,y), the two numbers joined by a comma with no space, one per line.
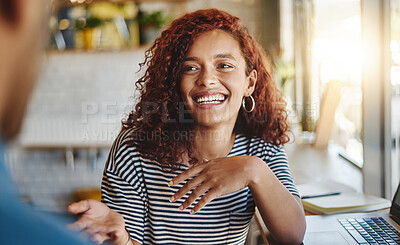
(157,111)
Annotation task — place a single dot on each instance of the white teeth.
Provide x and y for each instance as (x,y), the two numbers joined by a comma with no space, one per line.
(212,99)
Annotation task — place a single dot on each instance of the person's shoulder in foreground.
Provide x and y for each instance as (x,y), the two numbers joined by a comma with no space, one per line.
(21,26)
(21,225)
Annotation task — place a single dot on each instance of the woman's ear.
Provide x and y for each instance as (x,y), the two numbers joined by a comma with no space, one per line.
(252,80)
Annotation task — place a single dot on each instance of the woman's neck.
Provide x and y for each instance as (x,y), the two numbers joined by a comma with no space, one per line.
(212,143)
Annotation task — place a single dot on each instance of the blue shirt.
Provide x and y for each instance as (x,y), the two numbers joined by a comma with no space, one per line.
(21,225)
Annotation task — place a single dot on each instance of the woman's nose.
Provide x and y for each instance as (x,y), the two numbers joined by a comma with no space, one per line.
(207,78)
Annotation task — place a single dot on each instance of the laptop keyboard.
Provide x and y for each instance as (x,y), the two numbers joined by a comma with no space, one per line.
(374,230)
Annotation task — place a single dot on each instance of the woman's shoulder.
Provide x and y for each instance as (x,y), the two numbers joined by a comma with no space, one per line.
(124,143)
(257,145)
(256,142)
(127,136)
(124,151)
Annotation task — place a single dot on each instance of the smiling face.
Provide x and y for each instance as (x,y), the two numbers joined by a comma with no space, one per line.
(214,80)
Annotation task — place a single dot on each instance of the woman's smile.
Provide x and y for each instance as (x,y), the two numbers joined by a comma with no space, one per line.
(209,98)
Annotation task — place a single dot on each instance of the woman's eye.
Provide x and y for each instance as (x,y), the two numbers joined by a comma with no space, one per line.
(189,69)
(225,67)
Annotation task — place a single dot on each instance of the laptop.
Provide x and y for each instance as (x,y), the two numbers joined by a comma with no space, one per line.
(381,227)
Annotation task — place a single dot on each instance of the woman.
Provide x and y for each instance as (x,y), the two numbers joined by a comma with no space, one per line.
(203,146)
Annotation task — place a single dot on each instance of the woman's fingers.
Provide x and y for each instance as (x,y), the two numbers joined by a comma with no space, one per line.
(208,197)
(98,232)
(199,185)
(97,221)
(191,184)
(94,229)
(193,171)
(80,224)
(198,191)
(79,207)
(103,229)
(99,238)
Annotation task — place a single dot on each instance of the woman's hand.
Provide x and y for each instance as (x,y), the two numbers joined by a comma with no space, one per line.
(219,177)
(281,211)
(99,222)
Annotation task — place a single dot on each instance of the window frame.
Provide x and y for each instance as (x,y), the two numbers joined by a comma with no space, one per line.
(376,105)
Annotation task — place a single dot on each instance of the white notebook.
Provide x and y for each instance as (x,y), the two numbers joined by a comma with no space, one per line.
(348,200)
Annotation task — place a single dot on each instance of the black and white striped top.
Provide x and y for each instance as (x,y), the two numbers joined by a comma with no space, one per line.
(137,188)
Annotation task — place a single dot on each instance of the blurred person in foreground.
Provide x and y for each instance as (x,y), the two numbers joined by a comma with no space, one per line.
(203,147)
(22,38)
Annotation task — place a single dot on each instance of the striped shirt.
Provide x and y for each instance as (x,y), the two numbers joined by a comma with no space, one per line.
(137,188)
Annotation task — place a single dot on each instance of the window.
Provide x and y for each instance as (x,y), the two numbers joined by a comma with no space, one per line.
(336,56)
(356,42)
(327,47)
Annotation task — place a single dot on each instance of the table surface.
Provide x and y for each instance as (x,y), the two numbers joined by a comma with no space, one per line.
(309,164)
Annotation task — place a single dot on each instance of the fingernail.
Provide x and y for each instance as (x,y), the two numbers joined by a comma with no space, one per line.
(181,207)
(192,211)
(172,199)
(170,183)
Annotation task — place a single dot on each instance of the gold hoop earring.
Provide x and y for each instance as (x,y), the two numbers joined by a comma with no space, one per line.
(253,104)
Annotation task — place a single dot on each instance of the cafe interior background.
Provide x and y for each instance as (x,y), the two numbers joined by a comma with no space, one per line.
(92,60)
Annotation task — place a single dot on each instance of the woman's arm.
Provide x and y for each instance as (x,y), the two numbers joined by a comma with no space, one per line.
(281,211)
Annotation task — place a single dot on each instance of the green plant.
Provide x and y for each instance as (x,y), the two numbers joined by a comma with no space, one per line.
(91,22)
(156,18)
(285,72)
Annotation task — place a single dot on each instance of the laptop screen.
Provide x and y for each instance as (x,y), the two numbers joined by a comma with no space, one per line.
(395,208)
